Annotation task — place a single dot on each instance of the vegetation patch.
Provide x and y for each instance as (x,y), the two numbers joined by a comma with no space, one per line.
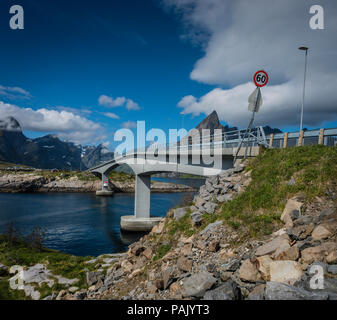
(16,250)
(161,251)
(257,211)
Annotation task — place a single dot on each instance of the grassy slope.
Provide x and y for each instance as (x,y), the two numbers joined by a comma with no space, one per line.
(59,263)
(256,212)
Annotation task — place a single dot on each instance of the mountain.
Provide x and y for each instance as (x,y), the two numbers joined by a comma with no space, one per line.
(212,122)
(47,152)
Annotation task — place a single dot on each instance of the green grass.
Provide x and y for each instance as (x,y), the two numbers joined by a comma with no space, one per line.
(58,263)
(257,211)
(183,225)
(161,251)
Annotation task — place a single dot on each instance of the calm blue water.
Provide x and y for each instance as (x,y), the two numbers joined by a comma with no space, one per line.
(79,223)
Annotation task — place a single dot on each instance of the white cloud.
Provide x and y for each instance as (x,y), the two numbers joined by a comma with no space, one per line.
(111,115)
(129,125)
(14,92)
(66,124)
(131,105)
(244,36)
(110,102)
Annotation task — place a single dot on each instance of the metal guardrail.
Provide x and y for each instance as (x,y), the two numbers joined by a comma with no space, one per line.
(326,137)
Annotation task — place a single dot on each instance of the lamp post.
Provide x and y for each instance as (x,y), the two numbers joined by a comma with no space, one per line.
(305,74)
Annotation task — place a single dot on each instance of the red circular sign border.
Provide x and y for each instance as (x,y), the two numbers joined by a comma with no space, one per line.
(258,85)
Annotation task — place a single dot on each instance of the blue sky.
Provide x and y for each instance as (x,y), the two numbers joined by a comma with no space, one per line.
(71,53)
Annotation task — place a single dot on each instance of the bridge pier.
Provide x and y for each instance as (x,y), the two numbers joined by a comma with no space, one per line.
(105,191)
(141,220)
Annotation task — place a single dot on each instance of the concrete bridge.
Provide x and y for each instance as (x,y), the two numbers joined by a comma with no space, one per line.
(201,156)
(205,156)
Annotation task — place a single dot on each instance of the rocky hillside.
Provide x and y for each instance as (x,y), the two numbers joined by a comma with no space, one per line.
(258,231)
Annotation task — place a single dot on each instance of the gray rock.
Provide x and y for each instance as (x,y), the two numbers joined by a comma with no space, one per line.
(179,213)
(3,270)
(197,284)
(237,187)
(232,265)
(211,227)
(303,220)
(281,291)
(110,260)
(209,187)
(227,291)
(225,197)
(66,281)
(332,268)
(238,169)
(213,180)
(209,207)
(291,182)
(196,218)
(326,213)
(93,277)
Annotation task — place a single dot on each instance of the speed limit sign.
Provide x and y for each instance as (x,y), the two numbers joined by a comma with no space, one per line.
(261,78)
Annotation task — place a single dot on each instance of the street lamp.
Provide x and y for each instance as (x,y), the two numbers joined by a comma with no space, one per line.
(305,74)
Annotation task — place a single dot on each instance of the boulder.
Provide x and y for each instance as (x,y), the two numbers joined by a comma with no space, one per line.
(209,207)
(198,201)
(282,291)
(225,197)
(318,253)
(147,253)
(158,228)
(209,187)
(320,233)
(93,277)
(184,264)
(227,291)
(292,253)
(167,277)
(210,228)
(263,266)
(291,212)
(127,266)
(332,257)
(257,293)
(213,180)
(332,268)
(232,266)
(196,218)
(186,250)
(197,284)
(285,271)
(248,272)
(277,245)
(179,213)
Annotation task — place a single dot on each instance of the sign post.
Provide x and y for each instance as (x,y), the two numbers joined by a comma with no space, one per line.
(261,78)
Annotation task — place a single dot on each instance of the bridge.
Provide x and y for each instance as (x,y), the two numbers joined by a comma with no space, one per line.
(197,155)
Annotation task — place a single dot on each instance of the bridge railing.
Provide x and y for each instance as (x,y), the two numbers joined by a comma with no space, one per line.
(196,141)
(326,137)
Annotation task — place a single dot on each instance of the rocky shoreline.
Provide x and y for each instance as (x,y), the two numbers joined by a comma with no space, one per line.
(214,261)
(30,182)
